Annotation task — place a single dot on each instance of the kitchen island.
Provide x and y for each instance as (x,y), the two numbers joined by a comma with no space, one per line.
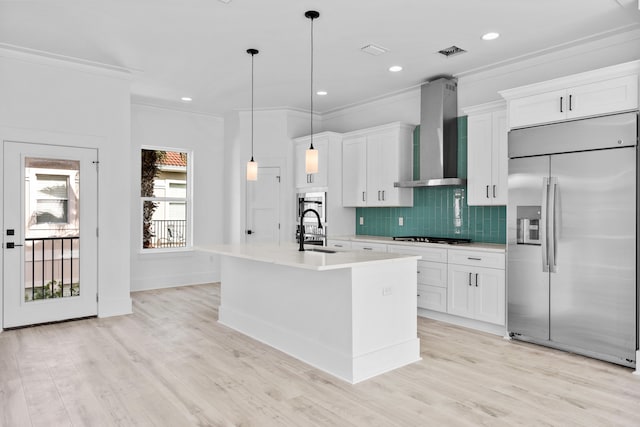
(351,314)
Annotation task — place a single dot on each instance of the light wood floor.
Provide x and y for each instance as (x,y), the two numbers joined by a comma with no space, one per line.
(171,364)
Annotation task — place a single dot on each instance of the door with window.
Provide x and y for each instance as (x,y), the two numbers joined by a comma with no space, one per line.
(49,233)
(263,207)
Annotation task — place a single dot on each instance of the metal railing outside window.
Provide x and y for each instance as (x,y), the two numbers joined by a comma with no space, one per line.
(52,267)
(169,233)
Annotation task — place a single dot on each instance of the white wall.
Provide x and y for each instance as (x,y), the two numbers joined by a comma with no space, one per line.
(273,146)
(49,100)
(202,135)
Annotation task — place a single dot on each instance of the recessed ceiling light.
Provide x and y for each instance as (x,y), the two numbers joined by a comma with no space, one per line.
(186,99)
(225,1)
(321,92)
(395,68)
(490,36)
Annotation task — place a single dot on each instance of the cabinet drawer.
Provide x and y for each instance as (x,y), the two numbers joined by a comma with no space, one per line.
(340,244)
(432,273)
(365,246)
(427,254)
(476,258)
(432,298)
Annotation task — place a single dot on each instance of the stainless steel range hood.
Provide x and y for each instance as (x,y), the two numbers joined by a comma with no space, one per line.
(438,135)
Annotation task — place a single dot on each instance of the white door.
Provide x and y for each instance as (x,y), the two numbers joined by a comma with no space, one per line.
(263,207)
(50,210)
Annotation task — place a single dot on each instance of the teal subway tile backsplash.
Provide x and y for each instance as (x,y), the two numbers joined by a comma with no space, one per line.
(433,211)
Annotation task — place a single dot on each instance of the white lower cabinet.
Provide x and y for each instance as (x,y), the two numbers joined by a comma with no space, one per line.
(366,246)
(460,282)
(475,291)
(432,298)
(432,275)
(339,244)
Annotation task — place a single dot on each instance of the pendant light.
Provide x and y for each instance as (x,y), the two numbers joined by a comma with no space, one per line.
(311,156)
(252,166)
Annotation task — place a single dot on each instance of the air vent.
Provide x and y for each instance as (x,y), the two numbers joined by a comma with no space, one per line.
(374,50)
(450,51)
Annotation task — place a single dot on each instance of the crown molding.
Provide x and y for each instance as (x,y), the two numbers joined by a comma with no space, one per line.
(48,58)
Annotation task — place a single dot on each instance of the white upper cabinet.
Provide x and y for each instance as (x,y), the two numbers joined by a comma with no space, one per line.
(487,157)
(315,180)
(354,171)
(372,160)
(607,90)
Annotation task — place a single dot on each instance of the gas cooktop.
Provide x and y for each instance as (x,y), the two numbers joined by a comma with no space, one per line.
(431,239)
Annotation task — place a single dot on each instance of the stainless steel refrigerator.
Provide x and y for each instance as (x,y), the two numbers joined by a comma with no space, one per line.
(572,236)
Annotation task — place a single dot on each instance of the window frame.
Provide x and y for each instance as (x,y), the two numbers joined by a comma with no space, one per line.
(188,200)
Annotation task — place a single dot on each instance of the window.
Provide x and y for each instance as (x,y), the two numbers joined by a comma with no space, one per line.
(52,199)
(165,199)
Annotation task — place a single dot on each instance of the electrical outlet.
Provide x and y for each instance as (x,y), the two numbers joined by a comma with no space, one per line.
(400,221)
(361,220)
(386,291)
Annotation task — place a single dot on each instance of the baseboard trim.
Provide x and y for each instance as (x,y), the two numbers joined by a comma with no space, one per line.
(464,322)
(163,282)
(349,368)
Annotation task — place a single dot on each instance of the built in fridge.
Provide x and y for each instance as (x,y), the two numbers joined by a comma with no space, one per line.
(572,236)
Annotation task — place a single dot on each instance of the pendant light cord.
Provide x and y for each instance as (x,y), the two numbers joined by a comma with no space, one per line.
(252,106)
(311,97)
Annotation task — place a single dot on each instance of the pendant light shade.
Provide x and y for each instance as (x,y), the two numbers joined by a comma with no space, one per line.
(252,165)
(311,160)
(311,157)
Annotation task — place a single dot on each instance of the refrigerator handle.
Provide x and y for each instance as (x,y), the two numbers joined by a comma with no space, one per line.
(553,229)
(543,225)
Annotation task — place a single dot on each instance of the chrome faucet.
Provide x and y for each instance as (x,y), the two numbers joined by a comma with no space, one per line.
(301,233)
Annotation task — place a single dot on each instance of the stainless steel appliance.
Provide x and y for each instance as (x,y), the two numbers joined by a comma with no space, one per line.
(572,236)
(313,235)
(431,239)
(438,135)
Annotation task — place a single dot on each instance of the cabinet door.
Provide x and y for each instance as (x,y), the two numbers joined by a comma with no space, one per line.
(389,160)
(479,159)
(607,96)
(499,158)
(354,171)
(378,168)
(460,291)
(432,298)
(543,108)
(432,273)
(366,246)
(339,244)
(303,179)
(489,289)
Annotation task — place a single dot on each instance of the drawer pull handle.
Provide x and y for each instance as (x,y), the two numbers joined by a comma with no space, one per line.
(476,280)
(368,249)
(474,258)
(470,279)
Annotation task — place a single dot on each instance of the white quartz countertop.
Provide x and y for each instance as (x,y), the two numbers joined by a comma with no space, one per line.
(487,247)
(288,254)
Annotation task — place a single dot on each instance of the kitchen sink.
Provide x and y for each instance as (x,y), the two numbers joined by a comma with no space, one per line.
(324,251)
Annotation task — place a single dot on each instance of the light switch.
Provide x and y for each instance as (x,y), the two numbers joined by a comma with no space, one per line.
(361,220)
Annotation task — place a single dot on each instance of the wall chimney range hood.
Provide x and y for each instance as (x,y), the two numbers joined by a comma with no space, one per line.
(438,135)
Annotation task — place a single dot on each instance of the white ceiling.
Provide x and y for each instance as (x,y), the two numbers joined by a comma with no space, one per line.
(197,48)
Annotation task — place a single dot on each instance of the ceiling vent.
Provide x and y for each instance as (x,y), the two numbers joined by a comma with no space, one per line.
(374,50)
(450,51)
